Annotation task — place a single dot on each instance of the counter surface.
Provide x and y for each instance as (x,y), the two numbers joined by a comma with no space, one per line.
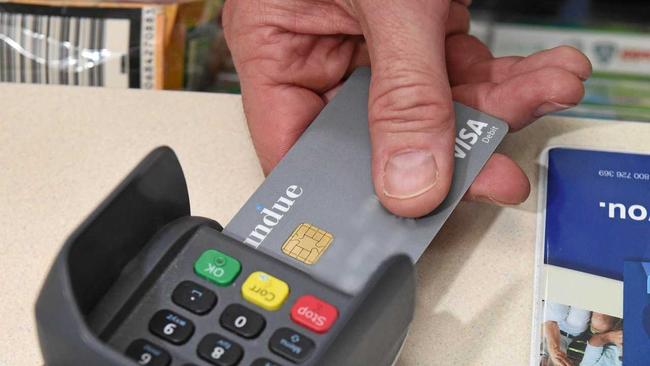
(62,150)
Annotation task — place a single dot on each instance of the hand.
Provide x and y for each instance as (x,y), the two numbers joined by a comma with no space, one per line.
(615,337)
(559,358)
(291,56)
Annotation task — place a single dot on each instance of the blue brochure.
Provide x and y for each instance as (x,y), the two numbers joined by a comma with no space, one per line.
(597,210)
(595,259)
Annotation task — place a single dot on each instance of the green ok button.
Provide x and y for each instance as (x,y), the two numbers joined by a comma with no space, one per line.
(217,267)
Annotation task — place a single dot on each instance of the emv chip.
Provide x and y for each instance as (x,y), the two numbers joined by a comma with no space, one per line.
(307,243)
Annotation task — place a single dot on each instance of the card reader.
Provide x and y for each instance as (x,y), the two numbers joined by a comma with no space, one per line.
(311,271)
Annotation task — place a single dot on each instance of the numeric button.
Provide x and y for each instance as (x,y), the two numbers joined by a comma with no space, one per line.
(194,297)
(291,345)
(242,321)
(219,351)
(146,353)
(171,327)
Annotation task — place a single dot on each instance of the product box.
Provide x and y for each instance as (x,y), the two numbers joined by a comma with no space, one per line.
(112,43)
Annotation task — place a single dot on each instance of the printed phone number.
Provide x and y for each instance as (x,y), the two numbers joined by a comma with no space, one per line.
(624,175)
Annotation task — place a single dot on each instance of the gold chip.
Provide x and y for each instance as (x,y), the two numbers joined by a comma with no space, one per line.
(307,243)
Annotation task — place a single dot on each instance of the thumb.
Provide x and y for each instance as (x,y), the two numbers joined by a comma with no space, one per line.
(411,117)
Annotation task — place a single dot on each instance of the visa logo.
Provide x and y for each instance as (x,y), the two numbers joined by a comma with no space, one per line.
(469,136)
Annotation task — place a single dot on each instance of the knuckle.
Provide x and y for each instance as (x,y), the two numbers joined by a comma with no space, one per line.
(555,79)
(407,102)
(561,82)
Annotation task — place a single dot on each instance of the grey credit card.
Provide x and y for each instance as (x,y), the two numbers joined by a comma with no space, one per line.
(318,211)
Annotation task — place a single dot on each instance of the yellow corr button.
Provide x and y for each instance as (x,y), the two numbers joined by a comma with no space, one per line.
(265,291)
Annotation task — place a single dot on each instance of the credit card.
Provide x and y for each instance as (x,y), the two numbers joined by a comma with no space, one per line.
(318,211)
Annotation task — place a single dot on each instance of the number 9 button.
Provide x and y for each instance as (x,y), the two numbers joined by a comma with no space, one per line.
(171,327)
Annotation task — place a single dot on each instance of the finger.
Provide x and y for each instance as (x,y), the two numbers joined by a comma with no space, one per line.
(524,98)
(300,17)
(410,111)
(458,19)
(501,182)
(457,23)
(317,63)
(561,360)
(470,61)
(281,85)
(277,115)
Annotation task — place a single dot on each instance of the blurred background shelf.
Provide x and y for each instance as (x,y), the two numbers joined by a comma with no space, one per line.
(190,52)
(614,35)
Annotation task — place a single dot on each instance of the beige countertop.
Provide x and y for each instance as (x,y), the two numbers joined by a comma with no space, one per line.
(63,149)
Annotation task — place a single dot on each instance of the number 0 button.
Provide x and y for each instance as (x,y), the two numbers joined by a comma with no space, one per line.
(171,327)
(219,351)
(242,321)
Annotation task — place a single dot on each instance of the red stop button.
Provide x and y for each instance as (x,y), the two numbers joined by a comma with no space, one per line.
(314,313)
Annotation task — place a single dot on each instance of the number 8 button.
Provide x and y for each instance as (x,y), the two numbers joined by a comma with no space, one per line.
(242,321)
(220,351)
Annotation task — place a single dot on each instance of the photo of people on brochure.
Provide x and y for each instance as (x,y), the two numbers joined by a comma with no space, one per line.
(579,337)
